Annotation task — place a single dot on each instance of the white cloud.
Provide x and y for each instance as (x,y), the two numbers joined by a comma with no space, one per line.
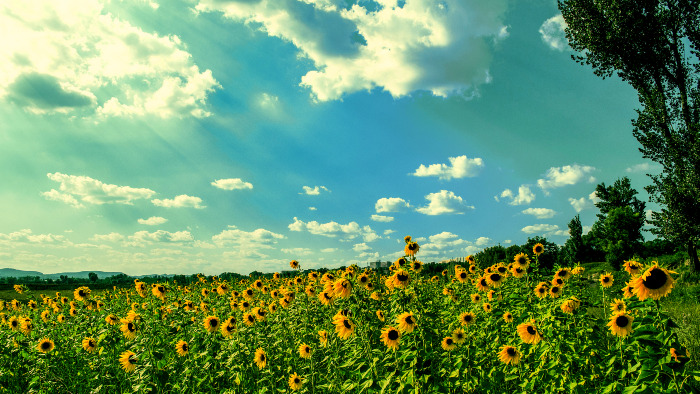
(75,190)
(27,236)
(268,101)
(329,250)
(444,202)
(562,233)
(74,57)
(259,238)
(508,241)
(525,196)
(579,204)
(181,201)
(443,240)
(297,251)
(387,232)
(566,175)
(361,247)
(232,184)
(382,218)
(442,47)
(179,237)
(540,228)
(552,32)
(594,197)
(111,237)
(312,208)
(644,168)
(333,229)
(482,241)
(540,213)
(391,204)
(315,191)
(153,221)
(459,167)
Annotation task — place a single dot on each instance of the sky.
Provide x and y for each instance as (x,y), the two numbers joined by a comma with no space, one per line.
(188,136)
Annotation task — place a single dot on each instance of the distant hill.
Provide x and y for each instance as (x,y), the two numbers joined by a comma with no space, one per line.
(4,272)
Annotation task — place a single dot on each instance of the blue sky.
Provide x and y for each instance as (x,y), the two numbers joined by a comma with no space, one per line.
(209,136)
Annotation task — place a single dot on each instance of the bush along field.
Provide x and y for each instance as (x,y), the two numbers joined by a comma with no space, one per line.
(507,328)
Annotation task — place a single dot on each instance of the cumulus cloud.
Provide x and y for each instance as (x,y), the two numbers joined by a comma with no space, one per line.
(259,238)
(594,197)
(482,241)
(540,228)
(74,57)
(361,247)
(161,236)
(382,218)
(181,201)
(525,196)
(390,204)
(552,32)
(442,241)
(444,202)
(76,190)
(153,221)
(442,47)
(540,213)
(314,191)
(459,167)
(566,175)
(333,229)
(232,184)
(111,237)
(27,236)
(579,204)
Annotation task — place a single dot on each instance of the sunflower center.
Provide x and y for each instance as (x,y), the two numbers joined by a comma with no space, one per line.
(502,270)
(91,343)
(522,261)
(402,277)
(262,358)
(495,277)
(510,351)
(46,345)
(346,323)
(449,341)
(531,330)
(656,279)
(483,282)
(296,380)
(409,319)
(185,347)
(622,321)
(606,279)
(463,275)
(555,289)
(214,323)
(393,335)
(130,326)
(468,318)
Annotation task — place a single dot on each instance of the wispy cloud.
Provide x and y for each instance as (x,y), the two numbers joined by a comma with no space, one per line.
(333,229)
(153,221)
(181,201)
(314,191)
(552,32)
(540,213)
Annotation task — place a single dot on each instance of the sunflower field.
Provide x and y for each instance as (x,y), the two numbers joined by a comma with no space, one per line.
(507,328)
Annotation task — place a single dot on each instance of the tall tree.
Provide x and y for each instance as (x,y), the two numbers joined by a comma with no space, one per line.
(574,245)
(654,45)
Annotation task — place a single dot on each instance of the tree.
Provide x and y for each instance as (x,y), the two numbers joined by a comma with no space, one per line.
(620,221)
(574,245)
(92,276)
(654,45)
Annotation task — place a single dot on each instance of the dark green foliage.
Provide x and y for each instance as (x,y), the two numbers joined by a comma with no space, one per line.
(574,248)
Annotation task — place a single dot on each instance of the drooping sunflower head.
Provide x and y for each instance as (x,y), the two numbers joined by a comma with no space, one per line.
(606,279)
(528,333)
(294,264)
(448,344)
(471,260)
(407,239)
(89,344)
(406,321)
(401,278)
(182,348)
(391,337)
(81,293)
(128,360)
(417,266)
(380,315)
(570,305)
(344,328)
(633,267)
(509,355)
(563,273)
(628,291)
(538,249)
(487,307)
(621,324)
(558,281)
(411,248)
(45,345)
(654,283)
(342,288)
(323,338)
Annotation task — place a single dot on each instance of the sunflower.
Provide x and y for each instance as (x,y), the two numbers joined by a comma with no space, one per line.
(522,260)
(229,327)
(182,348)
(391,337)
(406,322)
(621,324)
(459,336)
(570,305)
(344,327)
(211,323)
(470,259)
(541,291)
(342,288)
(558,281)
(606,279)
(380,315)
(476,297)
(448,343)
(632,267)
(528,332)
(494,279)
(538,249)
(377,296)
(295,265)
(509,355)
(128,328)
(461,275)
(482,284)
(14,323)
(325,298)
(411,249)
(563,273)
(304,351)
(618,306)
(401,278)
(45,345)
(81,293)
(294,382)
(158,291)
(128,361)
(248,319)
(363,279)
(508,317)
(444,272)
(487,307)
(260,358)
(323,338)
(466,318)
(89,344)
(578,270)
(555,291)
(654,283)
(628,291)
(26,325)
(517,271)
